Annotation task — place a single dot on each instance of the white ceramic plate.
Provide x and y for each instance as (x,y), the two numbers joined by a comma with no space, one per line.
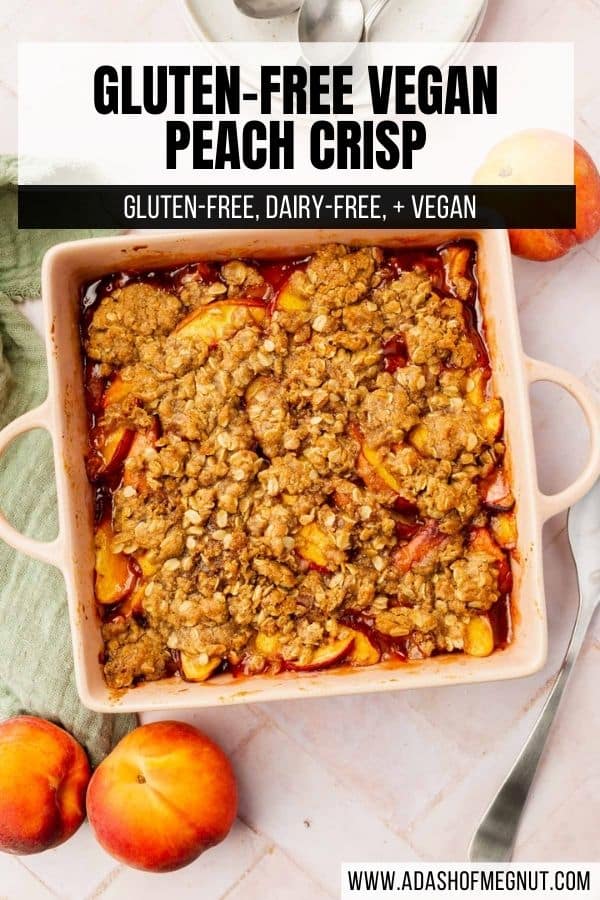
(402,20)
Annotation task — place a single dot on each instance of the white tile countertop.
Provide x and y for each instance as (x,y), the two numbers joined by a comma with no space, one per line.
(401,776)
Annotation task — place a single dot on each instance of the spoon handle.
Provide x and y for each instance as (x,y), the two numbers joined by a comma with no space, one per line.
(372,14)
(495,837)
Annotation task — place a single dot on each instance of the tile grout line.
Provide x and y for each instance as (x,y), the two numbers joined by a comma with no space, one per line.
(529,835)
(36,876)
(275,846)
(245,740)
(268,849)
(309,874)
(593,128)
(326,766)
(536,698)
(403,834)
(9,89)
(589,252)
(106,882)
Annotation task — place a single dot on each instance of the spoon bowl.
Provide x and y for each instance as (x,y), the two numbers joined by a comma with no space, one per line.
(331,21)
(267,9)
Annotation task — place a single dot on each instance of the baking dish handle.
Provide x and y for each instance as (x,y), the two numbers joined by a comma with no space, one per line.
(551,504)
(46,551)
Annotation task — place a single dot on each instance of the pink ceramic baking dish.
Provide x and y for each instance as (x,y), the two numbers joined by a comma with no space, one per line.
(63,413)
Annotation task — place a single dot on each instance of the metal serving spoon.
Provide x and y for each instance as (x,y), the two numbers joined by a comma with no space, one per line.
(494,840)
(267,9)
(336,20)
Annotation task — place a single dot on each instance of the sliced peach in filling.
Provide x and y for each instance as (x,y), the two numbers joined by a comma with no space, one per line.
(492,418)
(375,460)
(457,259)
(478,639)
(318,546)
(110,442)
(427,540)
(495,492)
(142,441)
(407,528)
(364,653)
(291,301)
(268,645)
(371,467)
(112,447)
(369,475)
(323,656)
(147,565)
(115,576)
(481,540)
(326,655)
(221,319)
(421,439)
(476,386)
(196,668)
(147,568)
(504,529)
(116,391)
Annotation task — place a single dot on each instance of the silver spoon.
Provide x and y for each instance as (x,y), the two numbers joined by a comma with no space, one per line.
(494,840)
(336,20)
(267,9)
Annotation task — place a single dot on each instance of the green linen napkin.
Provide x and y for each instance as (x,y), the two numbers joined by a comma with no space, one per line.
(36,664)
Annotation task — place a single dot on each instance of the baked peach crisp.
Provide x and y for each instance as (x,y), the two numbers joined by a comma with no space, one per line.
(297,465)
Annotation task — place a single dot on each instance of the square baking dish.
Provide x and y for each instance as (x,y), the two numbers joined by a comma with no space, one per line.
(67,266)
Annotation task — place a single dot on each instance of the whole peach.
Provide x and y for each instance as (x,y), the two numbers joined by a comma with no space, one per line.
(539,156)
(44,774)
(163,796)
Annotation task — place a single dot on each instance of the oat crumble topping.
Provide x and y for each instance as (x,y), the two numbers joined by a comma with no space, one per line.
(295,465)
